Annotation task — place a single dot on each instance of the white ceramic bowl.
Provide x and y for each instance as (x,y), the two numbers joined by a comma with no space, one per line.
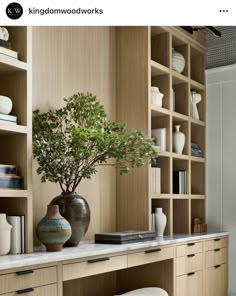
(156,96)
(5,105)
(178,61)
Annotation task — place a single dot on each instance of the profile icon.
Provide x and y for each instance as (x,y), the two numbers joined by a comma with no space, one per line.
(14,10)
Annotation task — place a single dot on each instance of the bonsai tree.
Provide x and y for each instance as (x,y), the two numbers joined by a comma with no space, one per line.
(71,142)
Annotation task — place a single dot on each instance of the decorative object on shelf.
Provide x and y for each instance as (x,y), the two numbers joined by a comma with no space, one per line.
(196,150)
(78,138)
(195,99)
(198,226)
(156,96)
(160,219)
(10,181)
(4,35)
(8,119)
(9,52)
(8,169)
(159,136)
(173,100)
(5,235)
(156,180)
(53,230)
(178,61)
(5,105)
(180,182)
(17,234)
(178,140)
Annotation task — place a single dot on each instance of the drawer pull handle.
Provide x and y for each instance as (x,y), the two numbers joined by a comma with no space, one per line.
(217,250)
(191,255)
(22,272)
(23,291)
(217,266)
(191,244)
(98,260)
(152,251)
(217,239)
(191,273)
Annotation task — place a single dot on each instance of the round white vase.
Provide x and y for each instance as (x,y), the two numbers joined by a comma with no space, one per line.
(178,61)
(5,105)
(5,235)
(160,221)
(178,140)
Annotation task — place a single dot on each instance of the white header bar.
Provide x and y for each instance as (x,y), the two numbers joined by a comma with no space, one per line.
(120,12)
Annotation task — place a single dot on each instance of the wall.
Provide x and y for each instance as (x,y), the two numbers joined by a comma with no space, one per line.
(221,125)
(67,60)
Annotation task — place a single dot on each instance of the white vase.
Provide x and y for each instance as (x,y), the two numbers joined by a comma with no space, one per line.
(156,96)
(178,140)
(5,105)
(5,235)
(160,221)
(195,99)
(178,61)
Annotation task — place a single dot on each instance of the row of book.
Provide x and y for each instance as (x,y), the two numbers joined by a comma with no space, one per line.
(8,119)
(156,180)
(17,234)
(180,182)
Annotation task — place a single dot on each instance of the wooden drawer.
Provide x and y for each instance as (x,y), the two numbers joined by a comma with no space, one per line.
(216,257)
(216,243)
(190,284)
(189,264)
(94,266)
(49,290)
(150,255)
(188,249)
(27,279)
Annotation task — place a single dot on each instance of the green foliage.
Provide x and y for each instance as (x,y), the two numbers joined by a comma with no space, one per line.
(71,142)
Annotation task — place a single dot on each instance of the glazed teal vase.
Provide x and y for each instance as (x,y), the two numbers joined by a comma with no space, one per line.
(53,230)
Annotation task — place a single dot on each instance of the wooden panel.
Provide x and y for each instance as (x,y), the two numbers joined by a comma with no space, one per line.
(216,243)
(188,249)
(39,277)
(216,257)
(190,285)
(150,256)
(217,281)
(83,269)
(132,85)
(76,59)
(99,285)
(159,274)
(188,264)
(49,290)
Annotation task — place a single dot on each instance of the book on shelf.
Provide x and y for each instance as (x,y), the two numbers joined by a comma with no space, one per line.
(180,182)
(17,234)
(7,122)
(159,135)
(156,180)
(8,52)
(7,117)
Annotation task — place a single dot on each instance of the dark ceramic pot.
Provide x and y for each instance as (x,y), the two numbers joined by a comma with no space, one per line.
(76,211)
(53,230)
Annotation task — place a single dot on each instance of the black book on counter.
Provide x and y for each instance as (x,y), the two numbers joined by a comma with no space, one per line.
(124,237)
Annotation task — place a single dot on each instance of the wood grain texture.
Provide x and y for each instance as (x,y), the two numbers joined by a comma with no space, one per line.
(76,59)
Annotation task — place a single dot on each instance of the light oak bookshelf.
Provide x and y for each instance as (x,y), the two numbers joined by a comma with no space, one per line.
(143,60)
(16,140)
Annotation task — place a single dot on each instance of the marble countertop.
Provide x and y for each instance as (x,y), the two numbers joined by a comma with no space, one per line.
(89,249)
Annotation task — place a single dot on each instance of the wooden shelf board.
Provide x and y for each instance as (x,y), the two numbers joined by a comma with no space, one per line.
(164,154)
(158,69)
(160,196)
(178,117)
(180,196)
(180,156)
(197,196)
(13,193)
(9,65)
(197,122)
(159,111)
(156,30)
(196,85)
(197,159)
(7,129)
(178,78)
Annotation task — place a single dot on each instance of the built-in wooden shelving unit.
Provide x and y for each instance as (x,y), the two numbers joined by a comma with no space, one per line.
(144,56)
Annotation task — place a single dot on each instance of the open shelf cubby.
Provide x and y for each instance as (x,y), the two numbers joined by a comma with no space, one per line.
(197,65)
(163,83)
(197,178)
(198,137)
(165,204)
(180,98)
(162,122)
(180,46)
(160,47)
(184,128)
(163,163)
(181,216)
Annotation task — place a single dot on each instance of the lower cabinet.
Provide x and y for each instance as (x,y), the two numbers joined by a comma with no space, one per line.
(216,280)
(190,284)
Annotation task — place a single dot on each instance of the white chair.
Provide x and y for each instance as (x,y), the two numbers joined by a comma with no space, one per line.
(147,292)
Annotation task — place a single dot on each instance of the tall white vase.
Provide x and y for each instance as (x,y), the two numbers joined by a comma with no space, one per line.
(178,140)
(160,219)
(5,235)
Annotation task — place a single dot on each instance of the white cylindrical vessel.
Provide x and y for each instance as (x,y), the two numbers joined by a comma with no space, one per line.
(160,219)
(178,140)
(5,235)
